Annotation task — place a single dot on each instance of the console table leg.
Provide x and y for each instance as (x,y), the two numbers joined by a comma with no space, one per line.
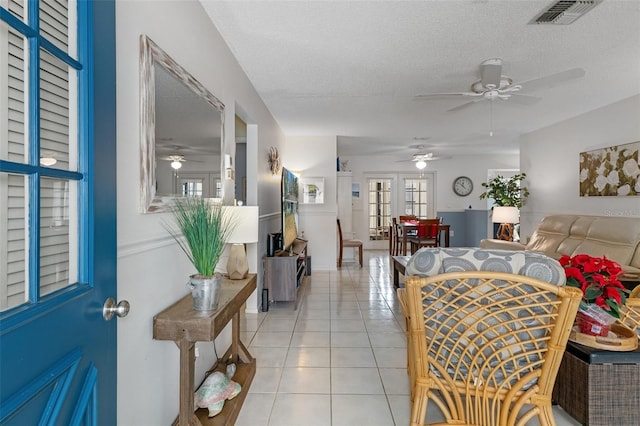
(235,336)
(187,366)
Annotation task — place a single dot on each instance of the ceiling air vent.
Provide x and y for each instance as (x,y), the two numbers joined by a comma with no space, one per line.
(564,12)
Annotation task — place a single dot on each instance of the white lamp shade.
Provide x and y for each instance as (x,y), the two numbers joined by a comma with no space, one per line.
(246,219)
(505,215)
(421,164)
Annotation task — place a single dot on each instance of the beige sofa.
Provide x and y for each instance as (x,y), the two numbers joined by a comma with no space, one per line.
(617,238)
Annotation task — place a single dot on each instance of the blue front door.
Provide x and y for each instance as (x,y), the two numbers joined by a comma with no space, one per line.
(57,212)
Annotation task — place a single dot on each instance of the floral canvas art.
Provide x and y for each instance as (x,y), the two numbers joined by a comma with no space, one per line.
(612,171)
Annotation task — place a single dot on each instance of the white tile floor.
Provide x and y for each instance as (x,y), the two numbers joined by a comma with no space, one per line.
(339,359)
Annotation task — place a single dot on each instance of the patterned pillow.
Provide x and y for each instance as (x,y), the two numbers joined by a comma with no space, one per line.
(430,261)
(459,260)
(425,262)
(544,268)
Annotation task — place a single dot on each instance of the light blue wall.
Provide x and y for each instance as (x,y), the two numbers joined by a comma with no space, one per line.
(468,226)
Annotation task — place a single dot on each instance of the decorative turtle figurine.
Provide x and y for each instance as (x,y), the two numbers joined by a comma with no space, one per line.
(215,390)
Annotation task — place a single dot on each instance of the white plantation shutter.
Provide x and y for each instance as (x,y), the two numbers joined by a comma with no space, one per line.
(15,98)
(54,235)
(58,197)
(54,194)
(14,262)
(54,22)
(54,110)
(13,187)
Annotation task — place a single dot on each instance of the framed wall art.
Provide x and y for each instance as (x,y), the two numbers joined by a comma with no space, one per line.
(313,190)
(355,190)
(611,171)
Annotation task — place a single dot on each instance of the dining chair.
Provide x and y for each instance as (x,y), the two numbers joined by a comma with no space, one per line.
(348,243)
(393,238)
(486,346)
(428,235)
(399,239)
(409,218)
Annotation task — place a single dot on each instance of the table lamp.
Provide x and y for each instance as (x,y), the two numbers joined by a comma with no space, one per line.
(246,231)
(506,217)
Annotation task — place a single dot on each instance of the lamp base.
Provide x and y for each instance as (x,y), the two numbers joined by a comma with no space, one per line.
(237,265)
(505,232)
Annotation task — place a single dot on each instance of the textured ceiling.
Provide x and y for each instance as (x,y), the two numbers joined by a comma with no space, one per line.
(352,68)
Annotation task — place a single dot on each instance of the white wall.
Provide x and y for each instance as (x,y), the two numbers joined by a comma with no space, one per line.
(152,271)
(550,157)
(316,157)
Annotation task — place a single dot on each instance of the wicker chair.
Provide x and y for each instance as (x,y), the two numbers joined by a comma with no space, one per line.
(631,312)
(487,346)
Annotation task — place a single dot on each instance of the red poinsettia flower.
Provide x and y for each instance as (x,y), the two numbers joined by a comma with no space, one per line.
(575,273)
(613,293)
(602,302)
(597,278)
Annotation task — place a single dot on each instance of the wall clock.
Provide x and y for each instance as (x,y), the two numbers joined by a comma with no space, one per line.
(462,186)
(274,160)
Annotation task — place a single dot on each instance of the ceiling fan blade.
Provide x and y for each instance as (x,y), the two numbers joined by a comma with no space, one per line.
(463,106)
(445,95)
(491,72)
(524,99)
(553,79)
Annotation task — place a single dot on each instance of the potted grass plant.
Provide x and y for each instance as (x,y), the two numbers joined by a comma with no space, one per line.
(201,229)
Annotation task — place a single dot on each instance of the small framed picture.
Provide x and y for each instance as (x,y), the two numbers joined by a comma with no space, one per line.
(313,190)
(355,190)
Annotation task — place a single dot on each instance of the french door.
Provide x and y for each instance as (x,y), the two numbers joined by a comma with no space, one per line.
(57,212)
(392,194)
(417,195)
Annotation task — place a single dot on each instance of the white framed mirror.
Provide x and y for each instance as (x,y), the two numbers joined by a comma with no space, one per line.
(181,133)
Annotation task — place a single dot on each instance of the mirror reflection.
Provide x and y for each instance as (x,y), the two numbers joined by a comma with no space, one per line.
(188,132)
(182,133)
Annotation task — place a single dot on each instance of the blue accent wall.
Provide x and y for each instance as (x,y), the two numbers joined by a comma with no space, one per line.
(469,226)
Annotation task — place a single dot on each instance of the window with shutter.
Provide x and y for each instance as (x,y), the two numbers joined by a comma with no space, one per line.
(40,173)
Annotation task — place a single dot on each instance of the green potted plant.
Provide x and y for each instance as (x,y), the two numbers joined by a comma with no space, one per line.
(506,192)
(201,229)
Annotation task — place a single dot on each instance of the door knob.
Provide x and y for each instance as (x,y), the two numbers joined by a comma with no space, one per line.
(110,308)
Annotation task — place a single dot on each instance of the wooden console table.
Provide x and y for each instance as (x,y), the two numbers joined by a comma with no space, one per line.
(399,266)
(186,326)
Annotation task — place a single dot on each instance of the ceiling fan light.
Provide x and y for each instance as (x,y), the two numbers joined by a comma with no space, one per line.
(421,164)
(176,164)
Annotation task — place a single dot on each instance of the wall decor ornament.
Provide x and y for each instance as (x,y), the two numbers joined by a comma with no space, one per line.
(612,171)
(274,160)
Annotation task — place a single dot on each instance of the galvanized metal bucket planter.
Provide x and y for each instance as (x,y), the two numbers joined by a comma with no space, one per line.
(205,292)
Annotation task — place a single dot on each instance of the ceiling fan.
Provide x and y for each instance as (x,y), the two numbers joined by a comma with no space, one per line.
(493,85)
(421,159)
(177,160)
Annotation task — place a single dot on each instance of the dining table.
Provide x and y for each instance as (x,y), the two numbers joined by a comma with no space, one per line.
(408,226)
